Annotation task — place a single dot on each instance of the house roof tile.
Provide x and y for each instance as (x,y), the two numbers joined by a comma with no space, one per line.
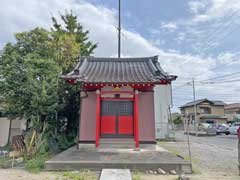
(125,70)
(192,103)
(232,106)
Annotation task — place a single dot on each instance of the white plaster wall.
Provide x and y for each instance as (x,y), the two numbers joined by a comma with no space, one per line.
(4,130)
(16,129)
(162,101)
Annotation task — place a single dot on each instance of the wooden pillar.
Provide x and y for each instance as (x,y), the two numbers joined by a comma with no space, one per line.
(98,116)
(136,131)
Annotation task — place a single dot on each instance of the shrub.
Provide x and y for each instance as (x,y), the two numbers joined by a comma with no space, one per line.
(5,162)
(65,141)
(35,164)
(177,120)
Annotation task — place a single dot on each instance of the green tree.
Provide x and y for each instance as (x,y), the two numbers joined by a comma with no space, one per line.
(70,42)
(30,69)
(177,120)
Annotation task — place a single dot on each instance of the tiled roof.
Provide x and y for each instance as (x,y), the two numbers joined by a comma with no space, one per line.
(192,103)
(213,117)
(94,70)
(232,106)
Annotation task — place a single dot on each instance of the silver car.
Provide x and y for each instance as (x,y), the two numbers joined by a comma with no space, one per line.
(234,127)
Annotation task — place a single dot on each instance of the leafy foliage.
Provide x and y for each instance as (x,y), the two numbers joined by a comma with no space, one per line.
(177,120)
(5,162)
(30,84)
(35,164)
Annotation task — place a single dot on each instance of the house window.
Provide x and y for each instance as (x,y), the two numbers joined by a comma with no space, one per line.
(205,110)
(182,111)
(193,117)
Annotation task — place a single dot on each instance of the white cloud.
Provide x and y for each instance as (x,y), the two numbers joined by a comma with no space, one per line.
(101,22)
(197,6)
(170,26)
(26,14)
(214,9)
(229,58)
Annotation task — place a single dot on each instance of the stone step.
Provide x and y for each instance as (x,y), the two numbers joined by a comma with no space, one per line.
(107,147)
(118,146)
(117,143)
(115,174)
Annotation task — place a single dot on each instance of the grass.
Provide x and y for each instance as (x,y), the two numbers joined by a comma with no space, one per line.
(81,175)
(136,175)
(36,164)
(175,151)
(196,170)
(5,162)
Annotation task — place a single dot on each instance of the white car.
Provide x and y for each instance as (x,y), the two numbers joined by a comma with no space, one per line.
(234,127)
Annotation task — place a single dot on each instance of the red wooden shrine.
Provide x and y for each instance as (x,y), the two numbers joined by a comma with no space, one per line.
(119,102)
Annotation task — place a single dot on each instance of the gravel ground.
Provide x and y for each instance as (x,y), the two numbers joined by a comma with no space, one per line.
(215,157)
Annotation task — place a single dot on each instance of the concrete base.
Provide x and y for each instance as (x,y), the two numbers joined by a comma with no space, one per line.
(142,160)
(115,174)
(111,146)
(86,147)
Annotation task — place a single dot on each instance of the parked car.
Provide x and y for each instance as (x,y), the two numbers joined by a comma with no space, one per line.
(208,128)
(205,126)
(222,129)
(234,127)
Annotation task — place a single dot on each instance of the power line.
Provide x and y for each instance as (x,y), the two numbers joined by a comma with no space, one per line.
(235,80)
(225,35)
(220,66)
(219,30)
(217,77)
(180,86)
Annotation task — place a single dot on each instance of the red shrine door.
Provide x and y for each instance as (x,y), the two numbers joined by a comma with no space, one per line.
(116,119)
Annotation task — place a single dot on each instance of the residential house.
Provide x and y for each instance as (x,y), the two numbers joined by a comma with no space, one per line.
(207,111)
(232,111)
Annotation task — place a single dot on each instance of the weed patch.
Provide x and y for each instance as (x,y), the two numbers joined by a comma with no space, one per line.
(36,164)
(136,175)
(82,175)
(5,162)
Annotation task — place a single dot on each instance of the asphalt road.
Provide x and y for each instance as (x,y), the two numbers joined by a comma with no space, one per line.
(218,154)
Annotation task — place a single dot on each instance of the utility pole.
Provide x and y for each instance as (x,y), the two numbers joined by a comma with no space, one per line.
(189,147)
(119,29)
(195,105)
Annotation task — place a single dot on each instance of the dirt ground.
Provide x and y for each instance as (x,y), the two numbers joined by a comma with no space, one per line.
(20,174)
(214,158)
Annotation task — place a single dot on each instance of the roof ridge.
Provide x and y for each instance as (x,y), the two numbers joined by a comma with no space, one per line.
(140,69)
(92,58)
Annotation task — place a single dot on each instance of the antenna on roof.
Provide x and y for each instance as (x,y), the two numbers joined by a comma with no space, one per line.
(119,29)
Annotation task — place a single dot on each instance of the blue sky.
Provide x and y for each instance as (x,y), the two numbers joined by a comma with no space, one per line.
(193,38)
